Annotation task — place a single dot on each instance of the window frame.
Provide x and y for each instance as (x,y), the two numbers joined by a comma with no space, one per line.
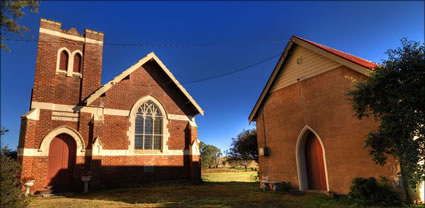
(71,68)
(148,110)
(58,62)
(132,123)
(69,71)
(74,64)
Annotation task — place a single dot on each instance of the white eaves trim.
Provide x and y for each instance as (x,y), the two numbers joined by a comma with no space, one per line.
(150,56)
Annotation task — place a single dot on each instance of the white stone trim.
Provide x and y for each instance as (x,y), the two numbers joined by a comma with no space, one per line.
(69,36)
(70,70)
(97,147)
(33,114)
(300,158)
(99,151)
(194,148)
(95,32)
(95,110)
(66,114)
(50,21)
(71,67)
(132,117)
(59,118)
(45,143)
(191,119)
(116,112)
(31,152)
(58,70)
(179,117)
(150,56)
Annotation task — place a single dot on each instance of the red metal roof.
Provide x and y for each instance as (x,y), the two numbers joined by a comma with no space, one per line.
(365,63)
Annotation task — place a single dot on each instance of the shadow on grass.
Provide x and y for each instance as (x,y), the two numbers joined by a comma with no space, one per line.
(209,194)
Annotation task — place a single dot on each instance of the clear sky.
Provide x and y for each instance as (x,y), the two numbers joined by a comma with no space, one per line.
(210,39)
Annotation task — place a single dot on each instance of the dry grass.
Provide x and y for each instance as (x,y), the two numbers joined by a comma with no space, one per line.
(228,175)
(210,194)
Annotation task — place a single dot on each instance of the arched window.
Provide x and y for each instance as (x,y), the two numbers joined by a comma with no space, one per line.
(148,127)
(77,63)
(63,61)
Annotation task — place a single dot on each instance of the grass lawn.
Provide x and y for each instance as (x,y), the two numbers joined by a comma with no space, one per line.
(216,192)
(228,175)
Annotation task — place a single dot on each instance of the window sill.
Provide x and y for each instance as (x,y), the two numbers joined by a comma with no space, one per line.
(76,74)
(147,151)
(61,72)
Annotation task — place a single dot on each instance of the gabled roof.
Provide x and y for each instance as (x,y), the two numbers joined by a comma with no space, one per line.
(151,56)
(362,62)
(353,62)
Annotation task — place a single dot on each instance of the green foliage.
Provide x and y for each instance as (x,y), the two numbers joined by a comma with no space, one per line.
(394,95)
(11,10)
(209,155)
(368,191)
(244,148)
(11,194)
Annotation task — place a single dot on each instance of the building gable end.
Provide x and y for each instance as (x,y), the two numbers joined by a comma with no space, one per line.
(325,52)
(150,57)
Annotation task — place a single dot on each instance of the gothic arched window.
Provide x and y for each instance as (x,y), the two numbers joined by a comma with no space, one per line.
(148,127)
(63,64)
(77,63)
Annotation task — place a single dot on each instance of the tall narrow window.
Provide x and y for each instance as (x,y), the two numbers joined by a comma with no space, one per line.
(64,61)
(77,63)
(148,127)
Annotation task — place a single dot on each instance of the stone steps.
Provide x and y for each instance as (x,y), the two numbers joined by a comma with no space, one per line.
(49,192)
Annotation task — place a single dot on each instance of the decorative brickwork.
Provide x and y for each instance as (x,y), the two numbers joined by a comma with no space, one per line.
(101,129)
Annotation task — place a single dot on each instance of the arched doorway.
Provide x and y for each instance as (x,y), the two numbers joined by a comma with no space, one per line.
(61,163)
(314,163)
(311,161)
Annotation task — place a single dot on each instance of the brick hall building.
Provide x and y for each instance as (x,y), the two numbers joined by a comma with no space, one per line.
(307,132)
(138,128)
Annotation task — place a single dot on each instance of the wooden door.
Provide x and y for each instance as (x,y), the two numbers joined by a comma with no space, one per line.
(315,165)
(61,162)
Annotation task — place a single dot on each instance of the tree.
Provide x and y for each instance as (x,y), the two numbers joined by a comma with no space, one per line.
(209,155)
(11,10)
(394,95)
(11,194)
(244,148)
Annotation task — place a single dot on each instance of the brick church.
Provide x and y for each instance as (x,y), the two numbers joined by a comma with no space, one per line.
(138,128)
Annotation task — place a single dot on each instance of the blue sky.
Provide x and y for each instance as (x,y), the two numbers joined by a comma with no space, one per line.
(236,34)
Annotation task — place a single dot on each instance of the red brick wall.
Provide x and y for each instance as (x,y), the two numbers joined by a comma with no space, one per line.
(113,170)
(178,138)
(115,132)
(148,79)
(92,64)
(135,170)
(35,167)
(59,88)
(330,114)
(51,87)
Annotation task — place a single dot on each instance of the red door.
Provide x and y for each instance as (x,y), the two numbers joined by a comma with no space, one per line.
(314,162)
(62,153)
